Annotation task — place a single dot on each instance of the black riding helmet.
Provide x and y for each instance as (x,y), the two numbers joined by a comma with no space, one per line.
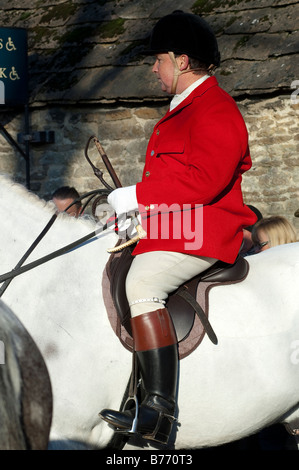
(185,33)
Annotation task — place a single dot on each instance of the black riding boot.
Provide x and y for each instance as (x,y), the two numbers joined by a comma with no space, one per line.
(157,357)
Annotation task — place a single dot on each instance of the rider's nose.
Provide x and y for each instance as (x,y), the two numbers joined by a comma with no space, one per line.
(155,68)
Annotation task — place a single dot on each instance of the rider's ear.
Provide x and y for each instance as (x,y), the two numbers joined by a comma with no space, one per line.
(183,62)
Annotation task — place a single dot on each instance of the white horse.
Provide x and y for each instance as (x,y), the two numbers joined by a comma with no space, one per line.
(25,389)
(249,380)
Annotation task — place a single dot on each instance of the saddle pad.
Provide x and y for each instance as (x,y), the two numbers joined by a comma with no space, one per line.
(186,346)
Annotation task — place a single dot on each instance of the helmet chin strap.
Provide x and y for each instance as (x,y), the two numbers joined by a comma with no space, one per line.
(177,72)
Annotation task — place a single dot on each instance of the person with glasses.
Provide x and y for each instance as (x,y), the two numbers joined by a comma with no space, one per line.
(272,231)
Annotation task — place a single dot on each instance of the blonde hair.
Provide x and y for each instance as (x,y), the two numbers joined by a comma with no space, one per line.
(277,229)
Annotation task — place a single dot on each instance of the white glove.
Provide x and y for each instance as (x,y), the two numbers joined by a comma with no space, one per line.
(123,200)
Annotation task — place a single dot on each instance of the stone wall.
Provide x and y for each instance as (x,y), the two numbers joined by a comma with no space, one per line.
(272,184)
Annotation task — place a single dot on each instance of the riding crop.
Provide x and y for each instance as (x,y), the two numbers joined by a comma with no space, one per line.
(140,231)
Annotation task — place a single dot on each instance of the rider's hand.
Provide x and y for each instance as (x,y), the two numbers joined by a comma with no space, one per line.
(123,200)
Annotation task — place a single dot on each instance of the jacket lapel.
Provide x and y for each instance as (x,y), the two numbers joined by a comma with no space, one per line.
(199,91)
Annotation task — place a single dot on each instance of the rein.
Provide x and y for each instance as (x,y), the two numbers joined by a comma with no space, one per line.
(34,244)
(19,269)
(16,272)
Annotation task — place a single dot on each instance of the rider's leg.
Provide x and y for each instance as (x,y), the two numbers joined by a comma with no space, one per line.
(150,280)
(156,349)
(157,274)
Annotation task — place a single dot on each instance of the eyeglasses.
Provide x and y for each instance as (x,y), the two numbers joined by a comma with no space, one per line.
(260,245)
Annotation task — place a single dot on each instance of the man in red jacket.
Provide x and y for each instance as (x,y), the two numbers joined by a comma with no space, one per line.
(190,202)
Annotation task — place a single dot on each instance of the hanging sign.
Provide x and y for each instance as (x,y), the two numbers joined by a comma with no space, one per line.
(13,67)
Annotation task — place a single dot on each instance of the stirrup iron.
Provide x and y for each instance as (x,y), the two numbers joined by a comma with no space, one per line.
(133,429)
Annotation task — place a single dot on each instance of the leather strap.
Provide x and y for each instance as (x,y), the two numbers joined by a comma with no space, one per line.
(177,72)
(202,316)
(153,330)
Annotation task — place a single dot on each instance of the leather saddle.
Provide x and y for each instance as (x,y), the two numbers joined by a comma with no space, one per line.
(182,304)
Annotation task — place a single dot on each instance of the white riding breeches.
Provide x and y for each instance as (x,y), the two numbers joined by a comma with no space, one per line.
(154,275)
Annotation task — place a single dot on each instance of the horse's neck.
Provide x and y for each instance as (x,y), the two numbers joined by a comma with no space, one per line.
(26,217)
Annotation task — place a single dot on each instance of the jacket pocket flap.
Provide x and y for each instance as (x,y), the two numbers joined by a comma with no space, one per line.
(171,146)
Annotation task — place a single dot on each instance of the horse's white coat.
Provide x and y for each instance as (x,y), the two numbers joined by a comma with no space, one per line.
(226,392)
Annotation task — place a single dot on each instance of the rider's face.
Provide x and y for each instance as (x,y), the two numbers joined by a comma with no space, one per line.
(164,70)
(62,205)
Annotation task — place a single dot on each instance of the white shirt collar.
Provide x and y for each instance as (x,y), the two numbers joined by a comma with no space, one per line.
(177,99)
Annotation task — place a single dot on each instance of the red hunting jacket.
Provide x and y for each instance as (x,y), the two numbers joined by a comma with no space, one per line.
(190,197)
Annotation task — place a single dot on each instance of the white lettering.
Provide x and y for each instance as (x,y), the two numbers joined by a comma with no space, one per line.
(294,99)
(2,92)
(2,353)
(10,45)
(2,72)
(295,354)
(119,460)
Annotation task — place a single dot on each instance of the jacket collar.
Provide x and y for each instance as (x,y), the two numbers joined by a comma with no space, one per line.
(198,91)
(177,99)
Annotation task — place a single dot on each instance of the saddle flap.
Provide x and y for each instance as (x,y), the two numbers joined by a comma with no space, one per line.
(118,266)
(189,328)
(183,323)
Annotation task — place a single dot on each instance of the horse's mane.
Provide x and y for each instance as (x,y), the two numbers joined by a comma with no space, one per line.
(19,194)
(19,190)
